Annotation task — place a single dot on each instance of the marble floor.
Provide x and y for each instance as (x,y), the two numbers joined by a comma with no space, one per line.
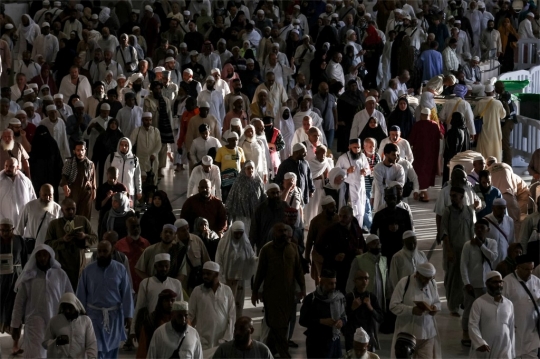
(424,220)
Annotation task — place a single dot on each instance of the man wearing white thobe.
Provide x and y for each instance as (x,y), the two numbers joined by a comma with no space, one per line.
(490,40)
(81,86)
(45,44)
(96,127)
(277,95)
(63,109)
(355,163)
(16,190)
(39,288)
(214,98)
(58,130)
(492,323)
(36,215)
(208,171)
(394,137)
(526,314)
(525,30)
(147,138)
(414,319)
(458,104)
(361,118)
(405,261)
(130,116)
(501,229)
(475,19)
(212,308)
(385,172)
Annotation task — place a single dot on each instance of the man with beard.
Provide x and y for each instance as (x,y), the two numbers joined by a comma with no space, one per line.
(105,291)
(176,339)
(160,107)
(385,172)
(39,288)
(69,236)
(133,245)
(57,130)
(16,190)
(297,164)
(22,130)
(323,314)
(73,83)
(281,271)
(77,124)
(145,265)
(70,333)
(13,149)
(492,322)
(37,214)
(277,95)
(243,346)
(405,261)
(207,206)
(300,89)
(214,98)
(340,243)
(108,64)
(501,229)
(490,39)
(213,323)
(79,180)
(231,98)
(266,215)
(194,86)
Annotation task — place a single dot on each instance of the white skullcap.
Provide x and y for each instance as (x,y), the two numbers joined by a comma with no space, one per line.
(187,12)
(530,14)
(289,175)
(204,104)
(47,98)
(334,15)
(106,107)
(193,53)
(361,336)
(298,146)
(499,202)
(215,71)
(275,44)
(179,223)
(45,24)
(8,26)
(162,257)
(149,8)
(478,158)
(15,121)
(180,305)
(168,59)
(207,160)
(147,114)
(492,274)
(457,22)
(489,88)
(136,76)
(408,17)
(135,28)
(481,5)
(189,71)
(34,86)
(270,186)
(159,69)
(476,58)
(28,91)
(296,6)
(51,108)
(7,221)
(371,98)
(171,227)
(260,12)
(121,76)
(20,112)
(426,270)
(371,237)
(408,234)
(236,122)
(466,56)
(94,16)
(221,41)
(108,72)
(28,104)
(232,134)
(305,37)
(78,104)
(210,78)
(327,200)
(213,266)
(426,111)
(250,61)
(350,32)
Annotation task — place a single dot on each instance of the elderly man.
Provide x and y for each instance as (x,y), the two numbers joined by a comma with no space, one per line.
(16,190)
(277,95)
(385,172)
(297,164)
(73,83)
(207,206)
(361,118)
(105,291)
(360,347)
(23,131)
(39,288)
(97,126)
(37,214)
(145,264)
(415,302)
(492,322)
(57,130)
(177,338)
(405,262)
(214,98)
(280,270)
(9,148)
(521,288)
(147,141)
(207,170)
(394,136)
(213,323)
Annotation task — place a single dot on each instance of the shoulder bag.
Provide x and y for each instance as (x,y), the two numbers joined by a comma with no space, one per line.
(479,120)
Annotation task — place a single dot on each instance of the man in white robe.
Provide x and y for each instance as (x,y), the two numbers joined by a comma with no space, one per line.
(214,98)
(394,136)
(39,288)
(167,338)
(475,19)
(334,70)
(254,150)
(64,110)
(355,163)
(492,110)
(405,261)
(277,94)
(361,118)
(130,116)
(418,319)
(458,104)
(280,70)
(45,44)
(147,140)
(490,40)
(96,127)
(212,308)
(385,172)
(36,215)
(74,83)
(16,190)
(491,324)
(501,229)
(207,170)
(526,313)
(525,27)
(306,110)
(58,130)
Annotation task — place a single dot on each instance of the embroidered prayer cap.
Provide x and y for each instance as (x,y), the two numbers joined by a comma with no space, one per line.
(408,234)
(270,186)
(213,266)
(299,146)
(371,237)
(492,274)
(426,270)
(162,257)
(207,160)
(179,223)
(361,336)
(327,200)
(180,306)
(170,226)
(499,202)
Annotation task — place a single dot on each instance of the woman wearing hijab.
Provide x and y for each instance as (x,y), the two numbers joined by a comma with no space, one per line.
(72,322)
(115,219)
(27,32)
(255,151)
(73,41)
(201,228)
(374,130)
(237,262)
(158,214)
(285,124)
(457,140)
(407,58)
(509,38)
(320,165)
(228,74)
(46,160)
(132,39)
(403,117)
(107,20)
(373,46)
(245,195)
(106,143)
(347,105)
(337,188)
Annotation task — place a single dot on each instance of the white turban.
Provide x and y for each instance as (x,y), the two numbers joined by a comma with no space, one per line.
(426,270)
(361,336)
(299,146)
(327,200)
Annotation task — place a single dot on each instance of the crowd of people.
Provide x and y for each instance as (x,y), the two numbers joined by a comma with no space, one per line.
(304,129)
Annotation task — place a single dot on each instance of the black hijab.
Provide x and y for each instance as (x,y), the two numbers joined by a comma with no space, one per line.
(404,119)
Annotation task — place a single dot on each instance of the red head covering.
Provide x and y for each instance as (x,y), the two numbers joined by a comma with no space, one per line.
(373,37)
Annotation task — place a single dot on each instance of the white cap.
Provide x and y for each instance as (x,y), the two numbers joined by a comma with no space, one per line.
(45,24)
(168,59)
(33,86)
(171,227)
(184,45)
(162,257)
(215,71)
(476,58)
(180,305)
(8,26)
(106,107)
(149,8)
(478,158)
(299,146)
(408,17)
(94,16)
(492,274)
(28,104)
(426,111)
(20,112)
(361,336)
(371,98)
(457,22)
(187,12)
(15,121)
(213,266)
(78,104)
(146,114)
(250,61)
(371,237)
(210,78)
(426,269)
(270,186)
(530,14)
(7,221)
(204,104)
(499,202)
(28,91)
(51,108)
(408,234)
(121,76)
(489,88)
(481,5)
(159,69)
(260,12)
(289,175)
(327,200)
(179,223)
(47,98)
(207,160)
(135,28)
(236,122)
(193,53)
(232,134)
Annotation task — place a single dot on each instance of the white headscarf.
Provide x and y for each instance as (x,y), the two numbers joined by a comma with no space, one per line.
(72,299)
(104,15)
(30,269)
(28,31)
(227,254)
(285,126)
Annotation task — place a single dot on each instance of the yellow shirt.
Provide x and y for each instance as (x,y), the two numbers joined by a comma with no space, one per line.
(230,158)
